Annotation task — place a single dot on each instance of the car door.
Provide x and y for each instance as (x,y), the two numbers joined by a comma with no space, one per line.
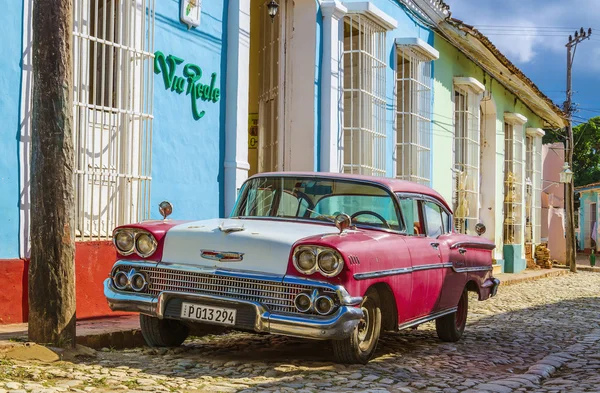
(425,256)
(454,277)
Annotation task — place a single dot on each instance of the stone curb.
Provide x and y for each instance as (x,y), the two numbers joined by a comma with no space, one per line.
(518,280)
(540,371)
(580,268)
(114,340)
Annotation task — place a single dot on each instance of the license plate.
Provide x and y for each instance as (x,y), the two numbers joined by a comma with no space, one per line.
(225,316)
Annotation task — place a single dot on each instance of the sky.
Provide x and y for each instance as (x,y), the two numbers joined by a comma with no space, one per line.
(533,33)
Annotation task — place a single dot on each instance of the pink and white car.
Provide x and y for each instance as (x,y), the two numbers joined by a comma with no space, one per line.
(315,255)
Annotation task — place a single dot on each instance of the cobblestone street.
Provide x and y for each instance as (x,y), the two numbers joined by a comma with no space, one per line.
(540,336)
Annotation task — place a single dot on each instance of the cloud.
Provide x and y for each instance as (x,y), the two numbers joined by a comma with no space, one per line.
(524,29)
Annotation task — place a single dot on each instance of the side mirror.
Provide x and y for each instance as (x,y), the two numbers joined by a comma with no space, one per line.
(479,229)
(165,209)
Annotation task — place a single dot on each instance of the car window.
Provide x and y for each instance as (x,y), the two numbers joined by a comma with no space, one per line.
(410,212)
(433,219)
(319,199)
(446,221)
(364,209)
(288,205)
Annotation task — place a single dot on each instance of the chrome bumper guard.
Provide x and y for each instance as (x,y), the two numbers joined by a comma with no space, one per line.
(335,326)
(495,285)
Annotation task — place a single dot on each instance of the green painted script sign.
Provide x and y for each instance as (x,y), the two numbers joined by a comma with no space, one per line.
(189,82)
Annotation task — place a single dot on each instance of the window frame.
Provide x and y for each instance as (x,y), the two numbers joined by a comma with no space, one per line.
(364,124)
(466,157)
(413,143)
(113,62)
(421,198)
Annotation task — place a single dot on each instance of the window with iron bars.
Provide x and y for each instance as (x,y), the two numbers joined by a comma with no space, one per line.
(113,44)
(513,184)
(364,96)
(413,117)
(466,160)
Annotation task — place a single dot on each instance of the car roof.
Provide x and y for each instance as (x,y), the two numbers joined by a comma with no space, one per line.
(394,185)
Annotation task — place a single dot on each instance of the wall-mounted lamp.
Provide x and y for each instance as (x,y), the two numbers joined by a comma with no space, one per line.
(566,175)
(272,7)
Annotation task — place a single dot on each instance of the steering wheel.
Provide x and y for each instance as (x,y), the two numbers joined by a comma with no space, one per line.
(377,215)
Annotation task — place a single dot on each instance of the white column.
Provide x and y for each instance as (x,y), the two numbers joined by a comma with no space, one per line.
(236,90)
(332,100)
(537,134)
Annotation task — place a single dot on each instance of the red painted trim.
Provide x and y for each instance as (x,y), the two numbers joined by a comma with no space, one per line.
(14,307)
(93,262)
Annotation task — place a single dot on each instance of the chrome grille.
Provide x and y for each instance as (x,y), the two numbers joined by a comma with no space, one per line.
(277,297)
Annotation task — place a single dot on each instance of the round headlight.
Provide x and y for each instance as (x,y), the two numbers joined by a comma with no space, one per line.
(138,282)
(121,280)
(145,245)
(124,241)
(329,263)
(306,261)
(324,305)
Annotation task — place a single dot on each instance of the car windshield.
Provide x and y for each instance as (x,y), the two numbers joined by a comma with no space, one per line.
(318,199)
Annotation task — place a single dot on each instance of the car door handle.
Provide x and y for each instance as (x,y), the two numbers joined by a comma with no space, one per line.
(435,245)
(462,251)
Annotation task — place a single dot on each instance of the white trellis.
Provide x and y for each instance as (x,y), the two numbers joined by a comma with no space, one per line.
(364,127)
(113,43)
(413,116)
(466,159)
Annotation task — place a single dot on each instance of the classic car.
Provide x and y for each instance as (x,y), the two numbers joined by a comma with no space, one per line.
(314,255)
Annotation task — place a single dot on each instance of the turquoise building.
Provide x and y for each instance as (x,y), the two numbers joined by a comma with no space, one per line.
(589,198)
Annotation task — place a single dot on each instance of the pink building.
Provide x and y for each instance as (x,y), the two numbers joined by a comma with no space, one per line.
(553,201)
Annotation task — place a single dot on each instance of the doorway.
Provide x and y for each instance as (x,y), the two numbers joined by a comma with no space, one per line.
(281,94)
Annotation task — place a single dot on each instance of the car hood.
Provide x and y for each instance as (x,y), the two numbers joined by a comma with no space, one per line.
(220,243)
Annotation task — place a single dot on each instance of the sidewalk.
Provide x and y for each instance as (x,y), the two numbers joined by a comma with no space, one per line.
(112,332)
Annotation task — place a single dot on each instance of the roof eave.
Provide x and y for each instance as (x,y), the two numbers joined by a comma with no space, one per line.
(481,51)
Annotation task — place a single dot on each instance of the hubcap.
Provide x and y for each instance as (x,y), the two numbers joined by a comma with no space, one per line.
(363,325)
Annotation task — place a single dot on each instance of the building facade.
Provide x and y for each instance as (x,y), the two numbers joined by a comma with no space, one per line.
(589,198)
(182,100)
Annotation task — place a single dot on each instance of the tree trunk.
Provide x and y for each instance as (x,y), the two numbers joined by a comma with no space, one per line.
(52,265)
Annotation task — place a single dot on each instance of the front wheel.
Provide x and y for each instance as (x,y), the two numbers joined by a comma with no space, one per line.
(450,327)
(360,346)
(163,332)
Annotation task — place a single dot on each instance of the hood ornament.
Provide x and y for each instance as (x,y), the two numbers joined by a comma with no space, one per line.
(231,227)
(343,221)
(222,256)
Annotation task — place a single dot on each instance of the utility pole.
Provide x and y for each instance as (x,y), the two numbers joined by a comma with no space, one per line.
(52,265)
(569,192)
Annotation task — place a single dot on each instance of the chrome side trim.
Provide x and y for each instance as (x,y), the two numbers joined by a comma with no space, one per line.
(427,318)
(428,267)
(402,270)
(383,273)
(405,270)
(472,269)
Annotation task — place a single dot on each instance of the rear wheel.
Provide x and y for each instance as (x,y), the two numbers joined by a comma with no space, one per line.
(360,346)
(163,332)
(451,327)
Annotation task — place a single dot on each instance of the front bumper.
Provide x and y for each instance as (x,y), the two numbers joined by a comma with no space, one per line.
(254,315)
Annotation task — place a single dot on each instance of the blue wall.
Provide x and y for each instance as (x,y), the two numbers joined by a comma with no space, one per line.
(188,154)
(11,20)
